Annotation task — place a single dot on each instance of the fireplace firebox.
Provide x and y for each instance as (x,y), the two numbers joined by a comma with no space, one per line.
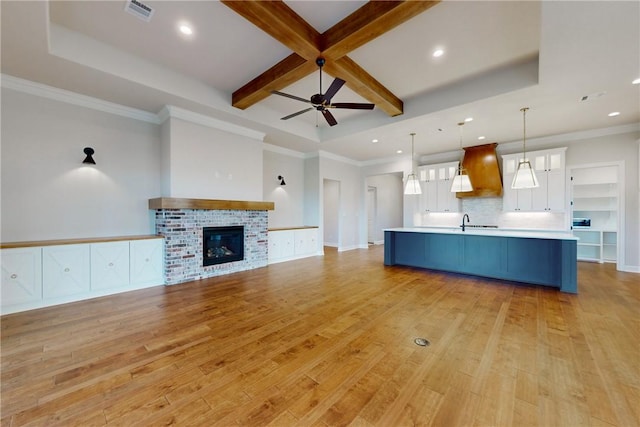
(222,244)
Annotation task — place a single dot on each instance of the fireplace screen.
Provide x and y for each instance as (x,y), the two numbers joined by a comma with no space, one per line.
(222,244)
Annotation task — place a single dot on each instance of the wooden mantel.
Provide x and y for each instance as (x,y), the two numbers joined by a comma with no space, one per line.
(239,205)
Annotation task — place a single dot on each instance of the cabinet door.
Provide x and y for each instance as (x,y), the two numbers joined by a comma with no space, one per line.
(556,201)
(109,265)
(21,275)
(443,195)
(281,244)
(305,241)
(539,196)
(431,194)
(146,258)
(65,270)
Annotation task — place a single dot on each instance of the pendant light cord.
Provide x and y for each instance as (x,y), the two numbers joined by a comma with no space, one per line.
(524,132)
(413,134)
(461,149)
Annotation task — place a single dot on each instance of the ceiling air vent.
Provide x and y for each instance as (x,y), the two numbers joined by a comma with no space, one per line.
(139,9)
(592,96)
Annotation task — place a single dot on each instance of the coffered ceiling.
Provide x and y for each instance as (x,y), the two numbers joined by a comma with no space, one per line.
(498,57)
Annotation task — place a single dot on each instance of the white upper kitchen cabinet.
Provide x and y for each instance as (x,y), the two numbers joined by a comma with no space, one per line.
(549,166)
(436,183)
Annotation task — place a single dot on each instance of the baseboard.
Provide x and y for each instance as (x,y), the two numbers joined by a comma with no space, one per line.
(629,268)
(349,248)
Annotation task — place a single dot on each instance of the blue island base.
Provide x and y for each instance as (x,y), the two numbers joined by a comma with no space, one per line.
(540,261)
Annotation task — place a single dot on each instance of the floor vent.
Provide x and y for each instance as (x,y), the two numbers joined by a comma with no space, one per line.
(139,9)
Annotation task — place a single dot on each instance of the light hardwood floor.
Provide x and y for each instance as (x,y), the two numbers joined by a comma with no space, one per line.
(329,341)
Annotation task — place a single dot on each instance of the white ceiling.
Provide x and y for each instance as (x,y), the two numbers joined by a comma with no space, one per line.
(499,56)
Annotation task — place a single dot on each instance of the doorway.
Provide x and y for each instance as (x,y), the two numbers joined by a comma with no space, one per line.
(372,207)
(331,212)
(597,197)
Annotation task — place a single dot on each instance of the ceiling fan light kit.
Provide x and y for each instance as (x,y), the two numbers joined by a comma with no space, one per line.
(322,102)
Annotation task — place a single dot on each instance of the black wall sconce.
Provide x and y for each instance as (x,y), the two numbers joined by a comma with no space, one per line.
(89,160)
(281,178)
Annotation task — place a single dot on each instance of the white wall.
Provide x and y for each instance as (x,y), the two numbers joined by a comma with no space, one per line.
(48,194)
(389,192)
(352,201)
(331,212)
(209,163)
(288,199)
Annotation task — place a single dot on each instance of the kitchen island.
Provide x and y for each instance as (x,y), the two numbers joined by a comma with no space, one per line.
(546,258)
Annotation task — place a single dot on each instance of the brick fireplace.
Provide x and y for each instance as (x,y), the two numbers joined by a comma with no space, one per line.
(181,222)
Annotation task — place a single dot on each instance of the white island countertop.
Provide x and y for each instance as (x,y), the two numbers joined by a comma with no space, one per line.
(498,232)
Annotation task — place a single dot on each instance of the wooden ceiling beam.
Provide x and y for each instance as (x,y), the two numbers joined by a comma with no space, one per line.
(365,24)
(368,22)
(284,73)
(365,85)
(282,23)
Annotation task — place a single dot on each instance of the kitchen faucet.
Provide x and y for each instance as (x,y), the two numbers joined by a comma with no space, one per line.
(463,217)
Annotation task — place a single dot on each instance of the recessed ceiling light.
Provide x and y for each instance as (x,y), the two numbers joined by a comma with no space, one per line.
(481,138)
(468,119)
(438,53)
(399,152)
(614,113)
(185,29)
(374,140)
(636,81)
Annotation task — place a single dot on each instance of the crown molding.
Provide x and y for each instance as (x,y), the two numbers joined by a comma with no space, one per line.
(62,95)
(571,137)
(326,155)
(282,150)
(180,113)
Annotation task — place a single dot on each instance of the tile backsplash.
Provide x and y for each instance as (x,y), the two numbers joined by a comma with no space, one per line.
(488,211)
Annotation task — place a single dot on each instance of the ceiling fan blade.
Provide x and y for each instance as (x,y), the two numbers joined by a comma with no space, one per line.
(329,118)
(286,95)
(296,114)
(352,105)
(335,87)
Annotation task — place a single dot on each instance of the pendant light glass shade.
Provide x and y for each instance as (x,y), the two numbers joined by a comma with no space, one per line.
(461,181)
(525,176)
(413,184)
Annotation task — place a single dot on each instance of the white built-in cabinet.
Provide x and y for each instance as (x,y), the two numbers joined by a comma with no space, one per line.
(292,243)
(50,274)
(65,270)
(21,276)
(109,265)
(147,266)
(435,182)
(549,166)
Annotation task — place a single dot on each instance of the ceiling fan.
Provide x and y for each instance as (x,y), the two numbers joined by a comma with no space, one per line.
(322,102)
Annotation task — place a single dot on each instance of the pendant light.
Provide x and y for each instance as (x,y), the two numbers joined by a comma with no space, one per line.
(413,185)
(461,182)
(525,176)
